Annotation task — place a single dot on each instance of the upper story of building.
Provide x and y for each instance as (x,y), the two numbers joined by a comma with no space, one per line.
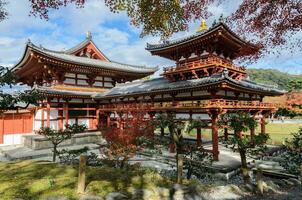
(81,68)
(204,53)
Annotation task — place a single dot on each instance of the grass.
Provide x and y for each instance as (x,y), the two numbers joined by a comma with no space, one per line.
(278,132)
(39,180)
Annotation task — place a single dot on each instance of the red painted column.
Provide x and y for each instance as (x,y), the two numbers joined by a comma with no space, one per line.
(198,136)
(48,114)
(262,125)
(97,118)
(42,117)
(252,133)
(60,120)
(2,129)
(108,120)
(215,136)
(66,113)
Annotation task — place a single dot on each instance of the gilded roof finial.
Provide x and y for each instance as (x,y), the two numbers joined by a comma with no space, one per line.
(203,26)
(88,35)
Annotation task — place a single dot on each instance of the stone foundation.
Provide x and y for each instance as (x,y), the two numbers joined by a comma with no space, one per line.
(40,142)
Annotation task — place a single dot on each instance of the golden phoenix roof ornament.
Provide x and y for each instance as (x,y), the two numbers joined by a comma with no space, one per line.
(203,26)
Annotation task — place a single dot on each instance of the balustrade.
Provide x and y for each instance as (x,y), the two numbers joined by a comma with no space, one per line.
(205,104)
(204,62)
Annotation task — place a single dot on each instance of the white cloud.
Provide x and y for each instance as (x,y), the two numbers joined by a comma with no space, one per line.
(111,33)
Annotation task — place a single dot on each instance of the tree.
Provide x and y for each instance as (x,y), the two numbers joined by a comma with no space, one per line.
(197,124)
(161,122)
(291,159)
(56,137)
(16,100)
(241,122)
(122,144)
(270,23)
(3,12)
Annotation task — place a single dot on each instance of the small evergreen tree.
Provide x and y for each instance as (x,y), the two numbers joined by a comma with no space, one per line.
(56,137)
(292,157)
(241,122)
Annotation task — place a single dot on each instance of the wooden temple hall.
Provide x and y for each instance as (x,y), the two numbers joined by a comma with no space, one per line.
(83,86)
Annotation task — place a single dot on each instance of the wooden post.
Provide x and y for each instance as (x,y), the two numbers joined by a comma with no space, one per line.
(48,114)
(42,117)
(108,120)
(60,114)
(66,113)
(259,180)
(198,139)
(97,119)
(82,174)
(214,117)
(262,125)
(180,159)
(2,129)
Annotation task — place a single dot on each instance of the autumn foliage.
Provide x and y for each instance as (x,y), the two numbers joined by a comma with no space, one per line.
(122,143)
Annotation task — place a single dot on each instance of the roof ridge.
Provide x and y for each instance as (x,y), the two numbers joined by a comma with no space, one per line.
(40,47)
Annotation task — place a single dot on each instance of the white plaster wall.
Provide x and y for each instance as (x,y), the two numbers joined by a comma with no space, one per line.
(84,122)
(187,94)
(11,139)
(200,93)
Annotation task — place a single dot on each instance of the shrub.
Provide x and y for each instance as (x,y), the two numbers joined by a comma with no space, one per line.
(71,157)
(292,157)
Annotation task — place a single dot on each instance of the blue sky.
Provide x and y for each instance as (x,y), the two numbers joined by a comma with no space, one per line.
(111,32)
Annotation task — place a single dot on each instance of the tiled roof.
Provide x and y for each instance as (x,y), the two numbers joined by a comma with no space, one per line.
(194,36)
(162,84)
(111,65)
(49,90)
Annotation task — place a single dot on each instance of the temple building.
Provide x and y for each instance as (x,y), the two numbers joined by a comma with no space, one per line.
(68,79)
(83,86)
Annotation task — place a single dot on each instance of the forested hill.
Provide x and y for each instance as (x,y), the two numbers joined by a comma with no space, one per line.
(273,77)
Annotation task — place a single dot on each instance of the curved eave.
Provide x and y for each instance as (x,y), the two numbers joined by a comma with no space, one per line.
(136,71)
(222,82)
(64,93)
(184,41)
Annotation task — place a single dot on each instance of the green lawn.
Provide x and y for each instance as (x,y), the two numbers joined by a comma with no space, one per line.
(278,132)
(38,180)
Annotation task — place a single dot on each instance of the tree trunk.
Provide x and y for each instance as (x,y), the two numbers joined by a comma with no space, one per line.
(198,137)
(259,180)
(82,174)
(180,160)
(162,132)
(54,155)
(245,171)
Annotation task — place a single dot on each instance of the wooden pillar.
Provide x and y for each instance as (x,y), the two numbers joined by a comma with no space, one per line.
(262,124)
(66,113)
(226,134)
(252,133)
(48,114)
(2,129)
(60,115)
(42,116)
(214,117)
(108,120)
(97,119)
(198,136)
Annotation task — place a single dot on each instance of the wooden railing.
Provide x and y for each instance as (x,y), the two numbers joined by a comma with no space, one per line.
(203,63)
(206,104)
